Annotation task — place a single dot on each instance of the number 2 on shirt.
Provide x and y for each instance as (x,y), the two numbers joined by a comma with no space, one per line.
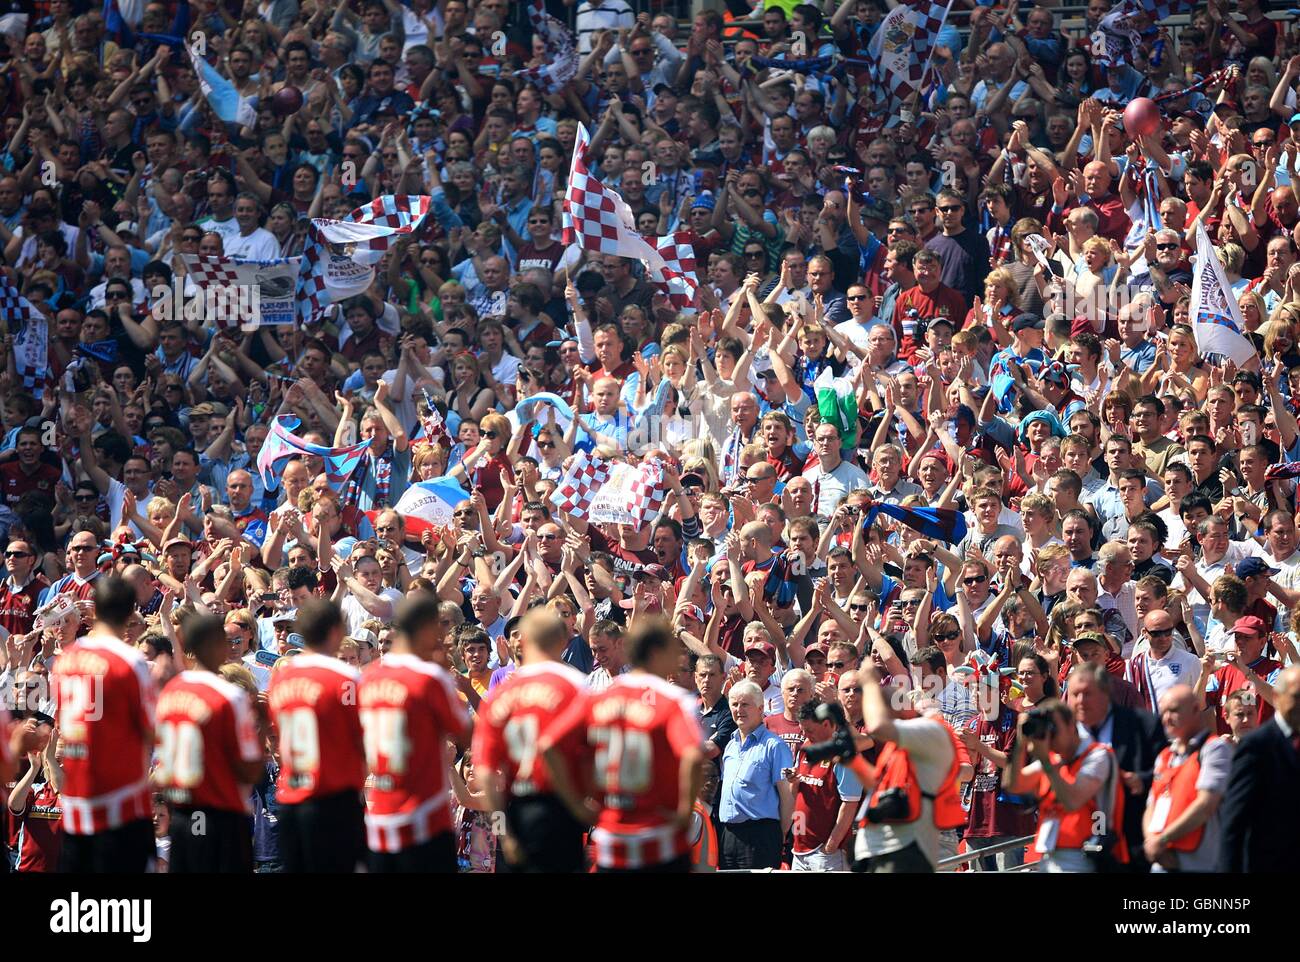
(623,759)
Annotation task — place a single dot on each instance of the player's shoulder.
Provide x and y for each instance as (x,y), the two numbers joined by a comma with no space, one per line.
(209,683)
(658,693)
(320,665)
(551,671)
(408,668)
(112,648)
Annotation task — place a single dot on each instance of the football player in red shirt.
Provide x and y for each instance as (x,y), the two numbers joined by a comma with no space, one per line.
(106,717)
(322,763)
(542,834)
(209,757)
(646,747)
(409,708)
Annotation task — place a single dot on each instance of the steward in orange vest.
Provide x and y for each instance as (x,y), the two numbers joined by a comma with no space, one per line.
(1189,780)
(1081,794)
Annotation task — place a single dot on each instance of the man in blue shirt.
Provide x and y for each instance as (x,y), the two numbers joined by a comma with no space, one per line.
(756,802)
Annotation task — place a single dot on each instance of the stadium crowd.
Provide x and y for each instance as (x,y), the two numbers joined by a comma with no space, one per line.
(959,453)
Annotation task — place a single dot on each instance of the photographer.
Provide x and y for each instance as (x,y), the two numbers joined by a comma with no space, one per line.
(1077,781)
(914,793)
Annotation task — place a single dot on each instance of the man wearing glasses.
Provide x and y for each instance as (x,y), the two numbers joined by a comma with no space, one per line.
(83,556)
(1159,665)
(21,589)
(964,253)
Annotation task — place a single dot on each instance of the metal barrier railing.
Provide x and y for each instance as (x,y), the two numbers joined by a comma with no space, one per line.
(981,852)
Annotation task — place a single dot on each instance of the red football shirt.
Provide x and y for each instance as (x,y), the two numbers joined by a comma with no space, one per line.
(16,482)
(409,708)
(18,605)
(106,700)
(314,708)
(514,717)
(204,725)
(638,729)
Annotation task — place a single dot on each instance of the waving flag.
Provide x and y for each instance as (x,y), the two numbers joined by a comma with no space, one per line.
(282,443)
(942,524)
(585,475)
(837,403)
(598,219)
(1214,311)
(115,26)
(338,260)
(222,96)
(427,505)
(1283,472)
(561,61)
(677,277)
(31,337)
(903,45)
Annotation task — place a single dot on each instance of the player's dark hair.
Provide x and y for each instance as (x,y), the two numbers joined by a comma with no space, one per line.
(300,578)
(198,630)
(808,710)
(316,619)
(416,612)
(114,602)
(646,639)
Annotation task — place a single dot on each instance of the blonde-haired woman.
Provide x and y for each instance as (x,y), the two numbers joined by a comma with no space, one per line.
(495,430)
(1177,366)
(998,308)
(1280,340)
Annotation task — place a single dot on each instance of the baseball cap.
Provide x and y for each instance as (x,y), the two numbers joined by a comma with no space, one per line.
(816,647)
(705,201)
(281,617)
(1249,625)
(364,637)
(203,410)
(1090,638)
(1254,566)
(765,647)
(874,208)
(692,477)
(693,612)
(662,86)
(1027,322)
(173,542)
(653,571)
(1295,119)
(219,410)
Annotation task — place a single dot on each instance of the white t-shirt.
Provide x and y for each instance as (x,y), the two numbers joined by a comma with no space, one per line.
(260,245)
(356,613)
(1177,667)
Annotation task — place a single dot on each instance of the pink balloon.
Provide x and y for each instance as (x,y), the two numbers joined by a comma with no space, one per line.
(1142,117)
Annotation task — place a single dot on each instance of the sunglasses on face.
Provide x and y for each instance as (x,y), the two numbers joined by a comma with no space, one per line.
(489,434)
(856,297)
(836,664)
(1166,247)
(949,208)
(859,607)
(18,554)
(947,636)
(976,580)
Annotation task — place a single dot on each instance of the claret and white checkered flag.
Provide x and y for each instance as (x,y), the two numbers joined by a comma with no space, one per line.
(597,219)
(586,473)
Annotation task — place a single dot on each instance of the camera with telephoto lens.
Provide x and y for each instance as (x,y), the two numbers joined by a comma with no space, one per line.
(839,745)
(892,805)
(1039,723)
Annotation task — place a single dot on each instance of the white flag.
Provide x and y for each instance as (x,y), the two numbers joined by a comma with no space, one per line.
(1214,313)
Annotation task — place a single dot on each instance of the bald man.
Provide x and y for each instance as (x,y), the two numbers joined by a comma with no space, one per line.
(1157,664)
(1113,221)
(249,517)
(1180,826)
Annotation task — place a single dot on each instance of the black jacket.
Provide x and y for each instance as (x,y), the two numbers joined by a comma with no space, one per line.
(1260,832)
(1137,738)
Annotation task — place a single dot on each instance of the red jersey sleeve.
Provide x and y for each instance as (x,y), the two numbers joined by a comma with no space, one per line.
(247,743)
(448,710)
